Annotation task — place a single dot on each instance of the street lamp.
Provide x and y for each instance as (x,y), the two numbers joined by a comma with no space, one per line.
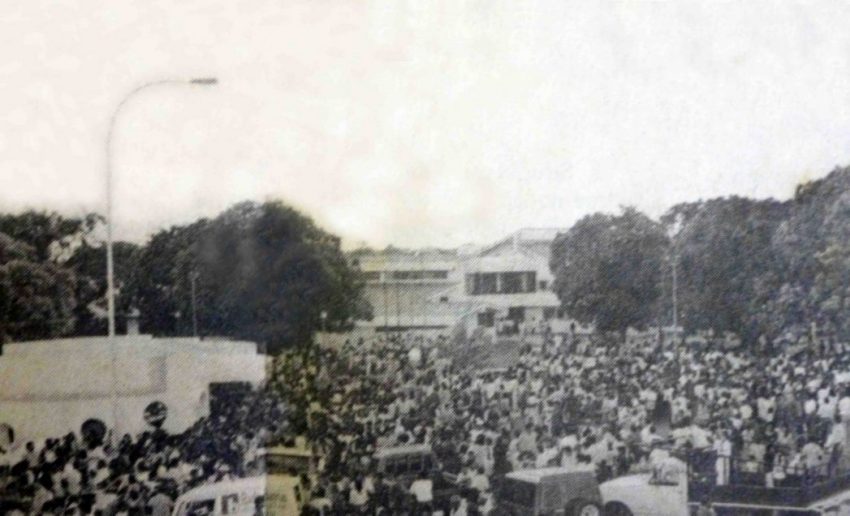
(110,280)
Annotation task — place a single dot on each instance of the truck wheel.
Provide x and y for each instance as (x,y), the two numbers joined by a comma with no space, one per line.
(617,509)
(579,507)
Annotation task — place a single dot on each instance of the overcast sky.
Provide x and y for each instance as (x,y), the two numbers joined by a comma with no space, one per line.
(418,123)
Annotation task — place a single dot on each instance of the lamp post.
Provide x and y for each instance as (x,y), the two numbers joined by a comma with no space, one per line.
(110,280)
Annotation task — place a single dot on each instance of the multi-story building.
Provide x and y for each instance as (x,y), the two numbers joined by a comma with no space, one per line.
(400,284)
(508,284)
(503,286)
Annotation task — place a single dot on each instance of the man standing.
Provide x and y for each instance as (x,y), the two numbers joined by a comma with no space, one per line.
(422,490)
(723,448)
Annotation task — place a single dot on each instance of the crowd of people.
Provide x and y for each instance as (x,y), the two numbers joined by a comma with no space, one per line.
(79,474)
(734,415)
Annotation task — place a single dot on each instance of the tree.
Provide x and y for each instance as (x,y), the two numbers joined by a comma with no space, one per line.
(726,266)
(88,264)
(48,233)
(159,285)
(36,298)
(262,272)
(608,269)
(811,243)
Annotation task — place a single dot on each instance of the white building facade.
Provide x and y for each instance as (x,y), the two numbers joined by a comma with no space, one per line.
(506,287)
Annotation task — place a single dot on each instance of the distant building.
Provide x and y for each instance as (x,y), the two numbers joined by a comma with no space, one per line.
(400,284)
(504,286)
(508,284)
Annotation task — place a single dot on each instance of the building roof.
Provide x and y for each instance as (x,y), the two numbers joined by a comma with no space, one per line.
(509,261)
(526,238)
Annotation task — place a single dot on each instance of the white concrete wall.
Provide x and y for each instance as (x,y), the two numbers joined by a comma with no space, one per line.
(49,388)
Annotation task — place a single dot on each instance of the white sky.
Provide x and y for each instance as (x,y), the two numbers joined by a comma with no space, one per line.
(419,123)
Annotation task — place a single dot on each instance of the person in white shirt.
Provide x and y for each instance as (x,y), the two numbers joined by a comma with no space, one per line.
(723,447)
(358,496)
(479,481)
(422,489)
(844,406)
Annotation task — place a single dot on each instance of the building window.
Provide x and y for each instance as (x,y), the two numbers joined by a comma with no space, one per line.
(516,313)
(418,275)
(483,283)
(370,275)
(487,319)
(543,284)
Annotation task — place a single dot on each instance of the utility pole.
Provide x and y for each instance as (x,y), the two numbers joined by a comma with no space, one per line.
(193,278)
(675,289)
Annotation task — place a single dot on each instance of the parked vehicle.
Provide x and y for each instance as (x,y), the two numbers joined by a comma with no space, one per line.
(549,492)
(401,465)
(254,496)
(404,462)
(281,490)
(575,492)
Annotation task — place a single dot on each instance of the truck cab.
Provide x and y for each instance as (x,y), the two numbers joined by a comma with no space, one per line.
(677,494)
(255,496)
(644,494)
(549,492)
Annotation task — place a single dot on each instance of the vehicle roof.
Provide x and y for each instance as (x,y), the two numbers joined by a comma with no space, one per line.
(535,476)
(407,449)
(256,485)
(284,450)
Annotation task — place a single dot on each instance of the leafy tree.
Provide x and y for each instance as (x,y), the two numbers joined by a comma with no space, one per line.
(48,233)
(812,244)
(88,264)
(159,283)
(262,272)
(36,298)
(727,268)
(608,269)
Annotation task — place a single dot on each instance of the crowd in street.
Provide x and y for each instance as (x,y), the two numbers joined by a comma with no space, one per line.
(736,416)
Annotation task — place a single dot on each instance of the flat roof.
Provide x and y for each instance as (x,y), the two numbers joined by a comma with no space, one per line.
(402,450)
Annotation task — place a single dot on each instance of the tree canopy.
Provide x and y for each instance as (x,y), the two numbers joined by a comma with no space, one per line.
(262,272)
(37,291)
(608,269)
(758,268)
(725,262)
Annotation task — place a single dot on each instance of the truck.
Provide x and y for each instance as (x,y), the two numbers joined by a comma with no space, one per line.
(575,492)
(549,492)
